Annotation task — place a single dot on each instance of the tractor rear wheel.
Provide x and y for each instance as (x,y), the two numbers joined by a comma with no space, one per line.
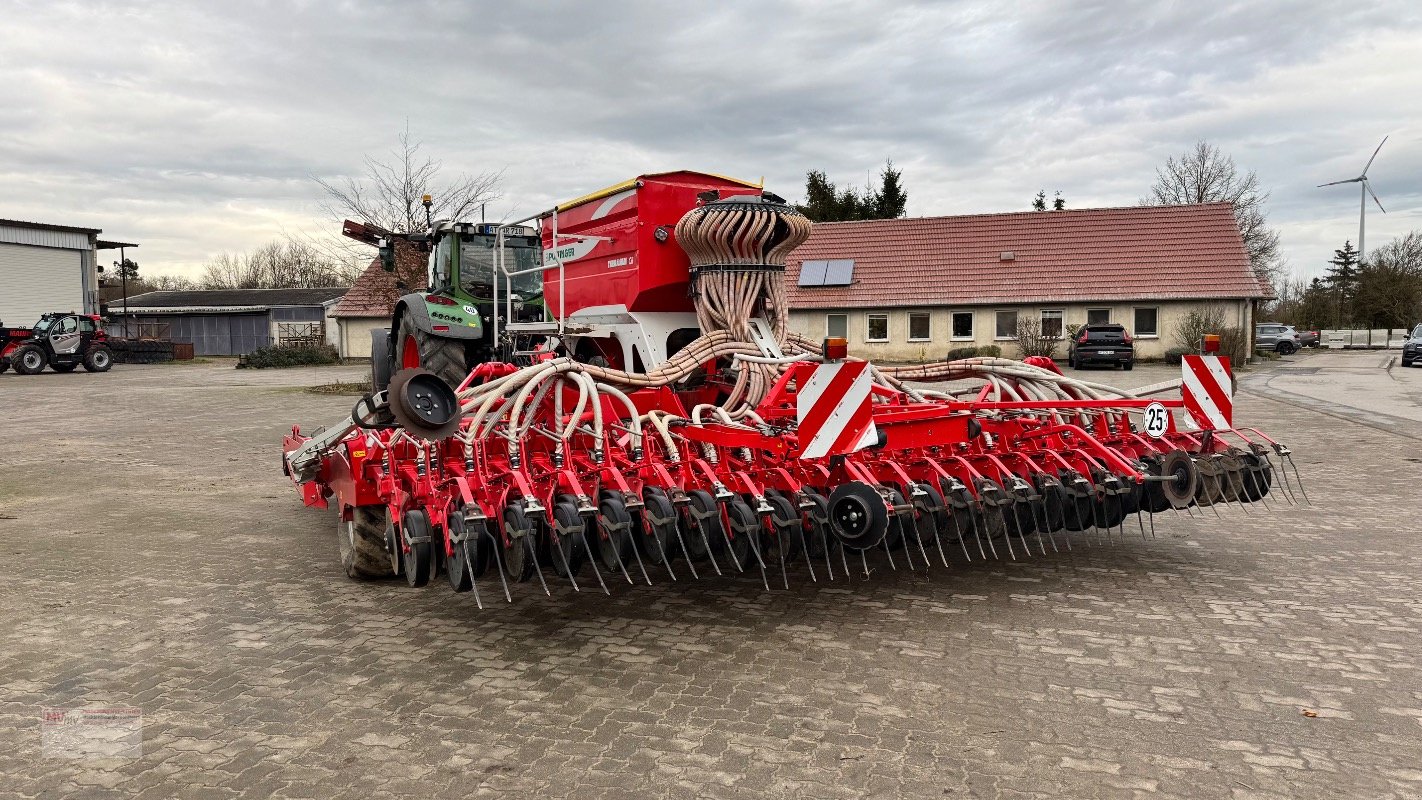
(362,542)
(29,360)
(416,348)
(98,359)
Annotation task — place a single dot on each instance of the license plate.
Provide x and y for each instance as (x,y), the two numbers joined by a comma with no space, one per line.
(1105,352)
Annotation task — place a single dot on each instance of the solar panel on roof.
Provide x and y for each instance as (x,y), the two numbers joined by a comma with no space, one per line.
(839,272)
(812,273)
(835,272)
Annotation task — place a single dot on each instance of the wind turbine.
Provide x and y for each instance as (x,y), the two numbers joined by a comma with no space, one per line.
(1366,190)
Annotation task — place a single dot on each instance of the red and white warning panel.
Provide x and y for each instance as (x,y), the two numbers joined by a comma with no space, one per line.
(833,410)
(1208,391)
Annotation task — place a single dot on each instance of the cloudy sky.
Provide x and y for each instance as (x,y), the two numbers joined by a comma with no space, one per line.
(197,128)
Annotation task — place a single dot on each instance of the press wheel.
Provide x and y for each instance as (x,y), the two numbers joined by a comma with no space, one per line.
(522,533)
(614,539)
(416,535)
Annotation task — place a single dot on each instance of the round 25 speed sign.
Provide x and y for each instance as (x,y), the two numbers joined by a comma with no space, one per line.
(1155,419)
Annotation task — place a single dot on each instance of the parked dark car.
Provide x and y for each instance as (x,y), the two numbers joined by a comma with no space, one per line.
(1412,349)
(1107,343)
(1309,339)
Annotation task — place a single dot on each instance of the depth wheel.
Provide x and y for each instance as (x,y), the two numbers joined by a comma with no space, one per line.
(817,527)
(362,543)
(613,539)
(416,535)
(782,541)
(522,533)
(745,526)
(704,527)
(659,518)
(1052,502)
(470,556)
(1258,475)
(565,541)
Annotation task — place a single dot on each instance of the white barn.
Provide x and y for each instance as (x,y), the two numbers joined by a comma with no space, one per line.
(46,268)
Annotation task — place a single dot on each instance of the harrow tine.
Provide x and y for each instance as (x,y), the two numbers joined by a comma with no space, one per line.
(637,554)
(780,546)
(1298,478)
(583,534)
(498,560)
(666,562)
(1284,478)
(755,551)
(865,560)
(538,570)
(1141,524)
(918,538)
(973,518)
(1152,525)
(681,541)
(469,565)
(938,542)
(1262,489)
(1007,534)
(805,548)
(726,534)
(962,542)
(844,560)
(709,554)
(1044,525)
(1121,507)
(568,568)
(885,543)
(622,567)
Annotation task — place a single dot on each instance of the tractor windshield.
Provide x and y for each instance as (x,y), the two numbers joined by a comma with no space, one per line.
(43,325)
(476,268)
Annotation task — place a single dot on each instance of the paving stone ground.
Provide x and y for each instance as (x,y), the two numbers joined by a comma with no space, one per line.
(158,560)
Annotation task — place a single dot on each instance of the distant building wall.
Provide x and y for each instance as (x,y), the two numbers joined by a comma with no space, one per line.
(898,345)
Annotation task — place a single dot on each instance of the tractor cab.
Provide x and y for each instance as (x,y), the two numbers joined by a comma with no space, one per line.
(469,262)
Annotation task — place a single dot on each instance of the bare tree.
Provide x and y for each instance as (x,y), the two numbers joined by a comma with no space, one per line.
(1389,293)
(1032,341)
(1206,175)
(279,264)
(390,192)
(161,283)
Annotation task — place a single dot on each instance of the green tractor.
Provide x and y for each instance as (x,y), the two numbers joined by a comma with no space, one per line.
(472,271)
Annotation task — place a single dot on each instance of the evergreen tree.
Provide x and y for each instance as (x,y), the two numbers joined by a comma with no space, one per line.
(1342,278)
(1039,203)
(891,201)
(824,202)
(1059,204)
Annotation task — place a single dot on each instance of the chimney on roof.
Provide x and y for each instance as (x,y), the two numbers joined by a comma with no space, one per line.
(1007,255)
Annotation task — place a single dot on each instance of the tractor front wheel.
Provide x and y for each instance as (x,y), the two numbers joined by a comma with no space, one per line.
(29,360)
(417,348)
(98,359)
